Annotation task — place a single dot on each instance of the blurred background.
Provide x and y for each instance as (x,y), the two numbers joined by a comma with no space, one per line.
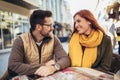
(14,20)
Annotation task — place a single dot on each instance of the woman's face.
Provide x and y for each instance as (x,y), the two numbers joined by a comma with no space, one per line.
(82,25)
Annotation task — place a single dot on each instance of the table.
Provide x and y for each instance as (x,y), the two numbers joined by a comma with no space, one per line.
(73,73)
(77,73)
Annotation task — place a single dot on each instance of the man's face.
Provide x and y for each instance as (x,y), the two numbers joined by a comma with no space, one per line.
(47,27)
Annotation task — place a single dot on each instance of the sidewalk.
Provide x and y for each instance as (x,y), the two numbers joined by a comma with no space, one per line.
(3,62)
(65,46)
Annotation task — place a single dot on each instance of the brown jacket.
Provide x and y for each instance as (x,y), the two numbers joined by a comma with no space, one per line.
(17,60)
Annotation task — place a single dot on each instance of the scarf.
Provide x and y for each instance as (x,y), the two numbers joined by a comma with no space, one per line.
(88,57)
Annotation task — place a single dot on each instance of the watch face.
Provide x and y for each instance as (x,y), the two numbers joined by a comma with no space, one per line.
(57,66)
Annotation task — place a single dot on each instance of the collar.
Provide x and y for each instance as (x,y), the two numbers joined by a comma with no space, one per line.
(45,39)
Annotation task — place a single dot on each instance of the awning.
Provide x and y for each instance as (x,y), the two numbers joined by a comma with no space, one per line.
(23,3)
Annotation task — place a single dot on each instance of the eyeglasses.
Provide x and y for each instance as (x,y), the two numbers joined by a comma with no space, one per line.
(49,25)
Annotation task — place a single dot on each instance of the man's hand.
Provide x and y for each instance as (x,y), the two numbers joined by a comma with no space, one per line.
(50,63)
(45,70)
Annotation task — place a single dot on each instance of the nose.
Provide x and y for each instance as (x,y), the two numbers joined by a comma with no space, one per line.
(76,24)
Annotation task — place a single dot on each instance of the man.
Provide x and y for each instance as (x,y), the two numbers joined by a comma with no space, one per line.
(37,52)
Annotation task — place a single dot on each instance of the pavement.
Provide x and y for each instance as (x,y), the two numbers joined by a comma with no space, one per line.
(3,62)
(4,59)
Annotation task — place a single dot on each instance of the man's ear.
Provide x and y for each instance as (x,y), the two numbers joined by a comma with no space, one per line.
(38,26)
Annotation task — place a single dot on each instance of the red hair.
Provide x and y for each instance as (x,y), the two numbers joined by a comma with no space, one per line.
(86,14)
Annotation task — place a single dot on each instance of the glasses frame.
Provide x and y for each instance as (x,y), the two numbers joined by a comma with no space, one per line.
(49,25)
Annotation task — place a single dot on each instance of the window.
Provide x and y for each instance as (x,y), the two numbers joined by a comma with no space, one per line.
(11,24)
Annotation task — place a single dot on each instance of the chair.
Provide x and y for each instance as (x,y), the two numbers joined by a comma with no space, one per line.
(115,65)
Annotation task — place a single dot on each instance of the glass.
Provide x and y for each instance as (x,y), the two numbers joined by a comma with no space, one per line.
(117,75)
(6,27)
(25,27)
(10,25)
(21,25)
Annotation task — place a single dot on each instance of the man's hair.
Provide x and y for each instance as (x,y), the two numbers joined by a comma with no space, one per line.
(38,16)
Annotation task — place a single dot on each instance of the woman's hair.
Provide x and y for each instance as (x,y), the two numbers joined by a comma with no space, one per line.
(86,14)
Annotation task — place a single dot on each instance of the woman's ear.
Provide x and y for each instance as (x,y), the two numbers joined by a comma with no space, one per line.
(89,23)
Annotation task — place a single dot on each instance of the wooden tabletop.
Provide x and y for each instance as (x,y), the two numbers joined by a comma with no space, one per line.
(77,73)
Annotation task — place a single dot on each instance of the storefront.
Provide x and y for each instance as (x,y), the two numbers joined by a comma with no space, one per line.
(13,21)
(11,24)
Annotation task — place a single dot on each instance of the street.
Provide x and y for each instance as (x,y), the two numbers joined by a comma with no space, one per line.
(4,59)
(3,62)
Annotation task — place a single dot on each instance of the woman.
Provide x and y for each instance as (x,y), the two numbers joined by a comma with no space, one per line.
(89,46)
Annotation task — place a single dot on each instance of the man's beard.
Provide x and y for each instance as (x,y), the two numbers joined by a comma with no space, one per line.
(45,35)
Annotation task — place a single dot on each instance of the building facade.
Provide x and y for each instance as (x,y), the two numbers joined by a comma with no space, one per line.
(14,18)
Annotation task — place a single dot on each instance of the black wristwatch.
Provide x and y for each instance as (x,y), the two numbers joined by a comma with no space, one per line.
(57,66)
